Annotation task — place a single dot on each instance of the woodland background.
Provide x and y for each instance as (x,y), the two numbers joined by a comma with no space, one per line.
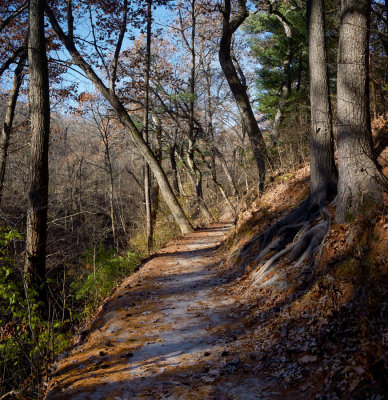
(106,211)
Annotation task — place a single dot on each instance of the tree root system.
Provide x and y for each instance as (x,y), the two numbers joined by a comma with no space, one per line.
(300,235)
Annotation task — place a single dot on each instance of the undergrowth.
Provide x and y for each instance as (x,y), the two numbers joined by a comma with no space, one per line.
(28,342)
(103,272)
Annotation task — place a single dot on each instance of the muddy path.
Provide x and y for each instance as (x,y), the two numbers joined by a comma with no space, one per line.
(173,330)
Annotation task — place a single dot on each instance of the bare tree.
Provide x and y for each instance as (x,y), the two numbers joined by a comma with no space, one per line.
(237,87)
(147,172)
(121,113)
(8,118)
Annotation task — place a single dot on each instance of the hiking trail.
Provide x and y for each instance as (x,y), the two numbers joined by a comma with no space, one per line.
(172,330)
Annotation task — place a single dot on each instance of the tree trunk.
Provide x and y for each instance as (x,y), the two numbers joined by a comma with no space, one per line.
(8,119)
(357,186)
(125,119)
(147,172)
(239,91)
(159,156)
(323,174)
(174,170)
(36,236)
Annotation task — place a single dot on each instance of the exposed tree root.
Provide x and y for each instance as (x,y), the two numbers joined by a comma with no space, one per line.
(258,276)
(300,235)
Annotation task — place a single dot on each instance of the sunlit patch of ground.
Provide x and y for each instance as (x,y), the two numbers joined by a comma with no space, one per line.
(169,331)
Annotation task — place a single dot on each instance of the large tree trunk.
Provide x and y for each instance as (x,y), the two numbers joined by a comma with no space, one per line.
(323,174)
(357,186)
(8,119)
(236,86)
(125,119)
(36,236)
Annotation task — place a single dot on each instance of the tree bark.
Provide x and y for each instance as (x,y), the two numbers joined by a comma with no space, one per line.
(174,169)
(323,174)
(239,91)
(159,156)
(8,119)
(358,186)
(147,172)
(36,236)
(126,121)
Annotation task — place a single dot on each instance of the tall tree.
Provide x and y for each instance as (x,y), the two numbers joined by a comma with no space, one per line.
(35,262)
(237,87)
(8,119)
(147,172)
(358,174)
(111,96)
(323,174)
(195,171)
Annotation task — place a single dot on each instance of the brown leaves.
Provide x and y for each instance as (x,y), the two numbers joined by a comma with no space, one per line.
(10,329)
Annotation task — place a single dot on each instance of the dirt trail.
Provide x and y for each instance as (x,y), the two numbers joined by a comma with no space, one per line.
(170,331)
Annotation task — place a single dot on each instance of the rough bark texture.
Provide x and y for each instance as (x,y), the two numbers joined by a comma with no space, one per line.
(238,89)
(8,119)
(358,174)
(35,262)
(125,119)
(323,175)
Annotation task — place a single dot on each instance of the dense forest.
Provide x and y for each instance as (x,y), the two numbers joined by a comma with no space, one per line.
(126,125)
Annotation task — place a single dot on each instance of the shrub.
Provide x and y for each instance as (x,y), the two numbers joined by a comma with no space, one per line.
(103,272)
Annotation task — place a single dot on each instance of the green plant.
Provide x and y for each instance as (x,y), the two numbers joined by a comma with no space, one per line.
(103,272)
(27,343)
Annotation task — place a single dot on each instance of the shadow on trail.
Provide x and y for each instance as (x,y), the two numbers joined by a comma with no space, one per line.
(169,384)
(189,253)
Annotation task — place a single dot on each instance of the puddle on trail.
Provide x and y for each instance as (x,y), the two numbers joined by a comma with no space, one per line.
(164,334)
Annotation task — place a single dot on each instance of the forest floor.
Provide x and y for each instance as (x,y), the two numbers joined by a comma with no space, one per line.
(171,330)
(191,324)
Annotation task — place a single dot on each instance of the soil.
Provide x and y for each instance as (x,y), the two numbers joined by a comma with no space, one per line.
(173,330)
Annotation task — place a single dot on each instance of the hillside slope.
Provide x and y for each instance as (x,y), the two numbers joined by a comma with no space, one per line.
(193,322)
